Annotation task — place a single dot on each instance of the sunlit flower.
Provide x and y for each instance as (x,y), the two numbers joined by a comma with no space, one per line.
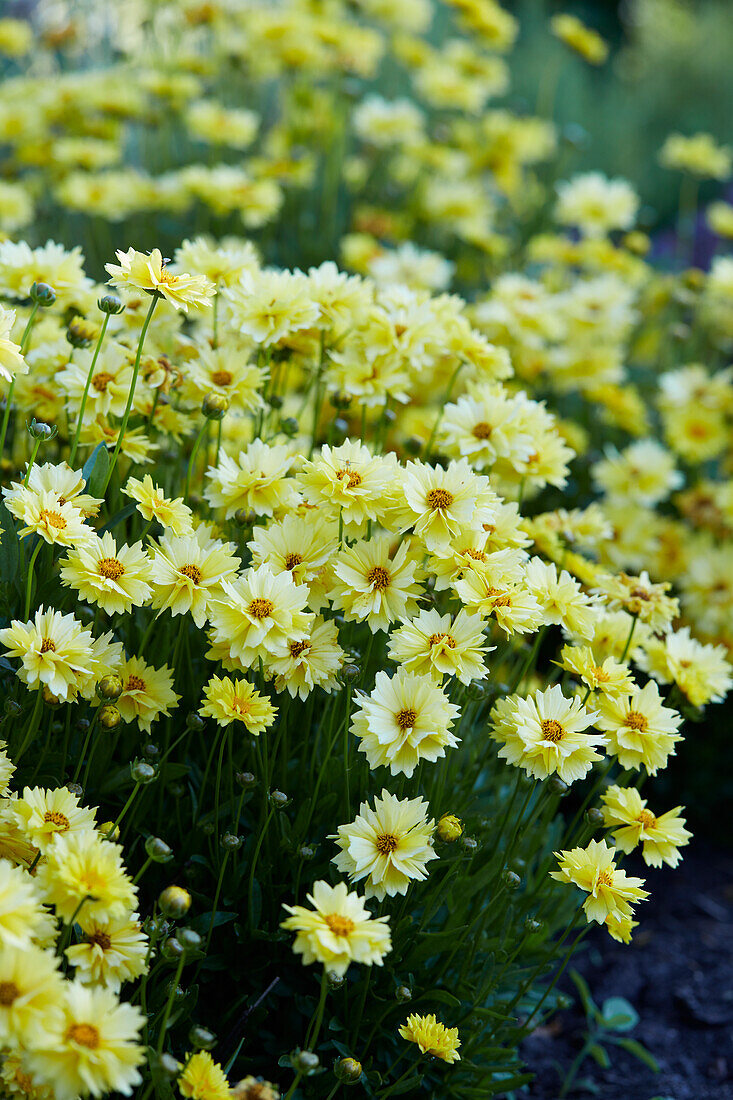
(611,892)
(432,1037)
(143,271)
(338,930)
(626,813)
(227,700)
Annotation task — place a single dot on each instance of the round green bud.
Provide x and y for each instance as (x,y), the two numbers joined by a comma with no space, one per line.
(306,852)
(532,925)
(558,785)
(174,902)
(111,304)
(158,850)
(347,1070)
(51,700)
(172,949)
(142,772)
(243,517)
(275,401)
(201,1038)
(246,780)
(194,721)
(289,426)
(43,294)
(413,445)
(208,828)
(469,843)
(37,429)
(477,690)
(305,1062)
(151,751)
(110,718)
(512,881)
(340,400)
(279,799)
(403,994)
(335,981)
(110,687)
(350,673)
(231,843)
(215,406)
(169,1066)
(594,816)
(77,789)
(189,940)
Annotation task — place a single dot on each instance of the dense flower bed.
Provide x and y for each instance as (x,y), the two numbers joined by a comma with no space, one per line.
(354,581)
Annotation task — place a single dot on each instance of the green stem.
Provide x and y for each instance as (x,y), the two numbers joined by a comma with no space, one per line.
(314,1027)
(169,1004)
(131,394)
(29,579)
(85,746)
(123,811)
(192,459)
(36,445)
(293,1087)
(32,726)
(85,395)
(253,868)
(9,399)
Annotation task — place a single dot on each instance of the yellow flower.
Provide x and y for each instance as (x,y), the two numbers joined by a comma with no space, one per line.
(312,662)
(432,1037)
(595,204)
(41,513)
(81,866)
(56,650)
(439,504)
(640,597)
(438,645)
(720,219)
(203,1078)
(269,306)
(21,914)
(30,985)
(152,503)
(143,271)
(229,701)
(586,42)
(405,719)
(187,571)
(644,473)
(90,1044)
(115,580)
(352,482)
(338,930)
(372,587)
(65,483)
(625,811)
(701,672)
(699,155)
(609,677)
(561,598)
(640,729)
(610,890)
(112,950)
(256,481)
(546,734)
(44,814)
(147,692)
(11,359)
(259,614)
(388,846)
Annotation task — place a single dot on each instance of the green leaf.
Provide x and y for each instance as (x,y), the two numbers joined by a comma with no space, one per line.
(640,1052)
(600,1055)
(618,1015)
(584,993)
(442,996)
(407,1085)
(95,469)
(118,517)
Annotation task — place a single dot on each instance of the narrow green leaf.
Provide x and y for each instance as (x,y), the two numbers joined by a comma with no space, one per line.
(640,1052)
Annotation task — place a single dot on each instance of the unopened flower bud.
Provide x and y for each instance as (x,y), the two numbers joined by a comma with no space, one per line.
(215,406)
(81,333)
(231,843)
(335,981)
(110,718)
(275,401)
(413,445)
(194,721)
(469,843)
(151,751)
(169,1066)
(50,699)
(389,416)
(158,850)
(43,432)
(340,400)
(350,673)
(110,687)
(109,830)
(403,994)
(532,925)
(111,304)
(279,799)
(188,939)
(201,1038)
(594,816)
(449,828)
(78,790)
(558,785)
(305,1062)
(174,902)
(246,780)
(42,293)
(347,1070)
(289,426)
(243,517)
(172,949)
(511,880)
(306,852)
(140,771)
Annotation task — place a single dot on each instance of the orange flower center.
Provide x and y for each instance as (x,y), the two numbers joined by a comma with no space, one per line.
(482,430)
(192,572)
(111,568)
(340,926)
(101,380)
(354,479)
(378,578)
(134,683)
(47,645)
(406,719)
(647,819)
(85,1035)
(8,992)
(636,721)
(386,843)
(292,559)
(221,378)
(260,608)
(439,498)
(296,648)
(55,817)
(552,730)
(476,555)
(100,938)
(52,519)
(605,878)
(442,639)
